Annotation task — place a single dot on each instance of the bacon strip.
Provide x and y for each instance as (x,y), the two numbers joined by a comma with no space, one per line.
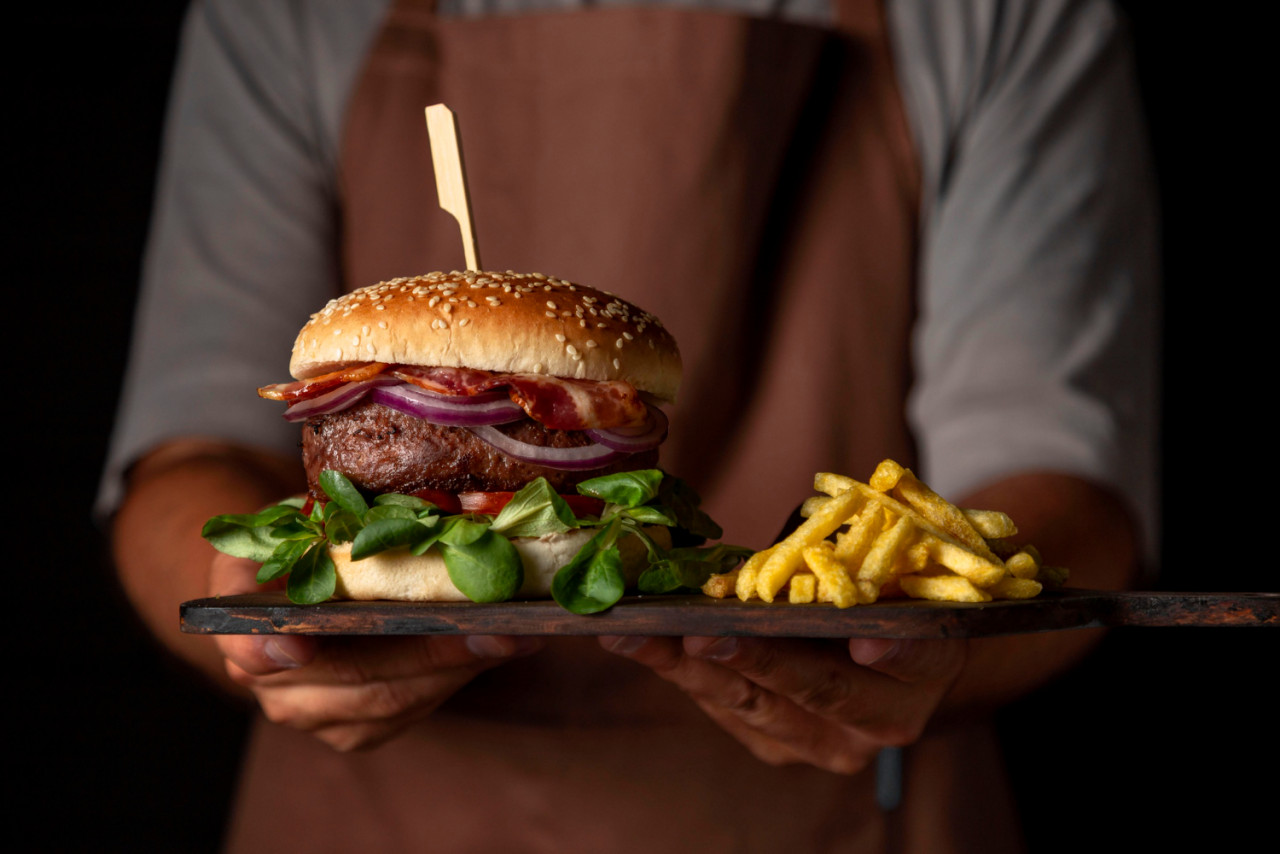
(303,389)
(466,381)
(555,402)
(576,404)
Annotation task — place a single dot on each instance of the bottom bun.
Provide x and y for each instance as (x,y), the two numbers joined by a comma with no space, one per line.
(401,576)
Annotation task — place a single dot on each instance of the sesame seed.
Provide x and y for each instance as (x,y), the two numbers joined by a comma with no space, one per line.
(550,304)
(617,365)
(560,337)
(591,345)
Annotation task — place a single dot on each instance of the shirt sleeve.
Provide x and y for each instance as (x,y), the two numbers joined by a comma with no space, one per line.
(1036,343)
(244,230)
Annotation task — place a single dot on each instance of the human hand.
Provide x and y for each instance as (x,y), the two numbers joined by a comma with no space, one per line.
(831,704)
(352,692)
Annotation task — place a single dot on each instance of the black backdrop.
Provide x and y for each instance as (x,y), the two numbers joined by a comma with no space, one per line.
(1157,740)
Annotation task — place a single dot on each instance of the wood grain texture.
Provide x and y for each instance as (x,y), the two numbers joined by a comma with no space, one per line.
(269,613)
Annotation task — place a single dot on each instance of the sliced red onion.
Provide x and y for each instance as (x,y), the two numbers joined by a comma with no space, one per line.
(450,410)
(573,459)
(342,397)
(633,440)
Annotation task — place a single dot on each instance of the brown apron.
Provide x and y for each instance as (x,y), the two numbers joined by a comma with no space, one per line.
(753,184)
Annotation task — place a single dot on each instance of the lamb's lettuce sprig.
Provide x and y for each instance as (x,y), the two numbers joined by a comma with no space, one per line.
(476,548)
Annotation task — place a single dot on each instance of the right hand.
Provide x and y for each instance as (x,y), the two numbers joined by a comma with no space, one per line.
(352,692)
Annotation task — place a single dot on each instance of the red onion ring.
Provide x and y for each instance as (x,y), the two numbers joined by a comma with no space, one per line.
(633,440)
(342,397)
(450,410)
(571,459)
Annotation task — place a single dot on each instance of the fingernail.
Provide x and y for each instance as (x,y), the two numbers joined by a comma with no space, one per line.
(488,646)
(867,651)
(712,649)
(625,645)
(289,653)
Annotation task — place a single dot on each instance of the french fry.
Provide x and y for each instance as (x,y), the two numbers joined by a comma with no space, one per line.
(886,476)
(980,571)
(834,583)
(1004,548)
(721,586)
(745,587)
(879,565)
(802,588)
(1052,576)
(788,555)
(852,545)
(1024,564)
(813,504)
(833,484)
(1015,588)
(936,509)
(990,524)
(942,588)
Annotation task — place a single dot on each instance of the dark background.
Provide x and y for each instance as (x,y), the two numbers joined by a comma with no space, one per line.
(1158,740)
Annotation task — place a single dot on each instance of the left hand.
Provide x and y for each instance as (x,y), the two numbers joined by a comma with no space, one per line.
(831,704)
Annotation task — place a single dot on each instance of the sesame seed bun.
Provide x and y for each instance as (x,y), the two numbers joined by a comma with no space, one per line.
(501,322)
(404,577)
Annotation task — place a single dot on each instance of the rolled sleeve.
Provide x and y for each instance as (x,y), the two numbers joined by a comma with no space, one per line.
(1035,348)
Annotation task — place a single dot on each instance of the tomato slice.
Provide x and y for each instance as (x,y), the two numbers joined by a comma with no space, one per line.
(491,503)
(584,505)
(446,501)
(488,503)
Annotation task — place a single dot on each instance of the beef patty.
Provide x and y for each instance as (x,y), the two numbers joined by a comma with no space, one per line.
(383,450)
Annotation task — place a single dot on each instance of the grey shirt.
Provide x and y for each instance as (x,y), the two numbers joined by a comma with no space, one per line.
(1035,343)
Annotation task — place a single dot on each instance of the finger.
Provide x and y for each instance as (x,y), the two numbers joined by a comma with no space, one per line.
(231,576)
(910,660)
(255,655)
(394,704)
(773,727)
(821,677)
(357,661)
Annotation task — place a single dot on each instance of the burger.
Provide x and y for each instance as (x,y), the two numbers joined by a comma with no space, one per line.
(483,436)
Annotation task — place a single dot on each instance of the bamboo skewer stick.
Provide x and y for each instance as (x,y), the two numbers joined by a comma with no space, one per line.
(451,178)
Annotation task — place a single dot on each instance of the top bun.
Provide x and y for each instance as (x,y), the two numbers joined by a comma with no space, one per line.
(502,322)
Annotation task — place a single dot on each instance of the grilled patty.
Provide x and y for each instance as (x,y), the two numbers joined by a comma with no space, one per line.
(384,450)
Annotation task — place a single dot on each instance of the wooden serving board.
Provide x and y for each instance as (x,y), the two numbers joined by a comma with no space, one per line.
(270,613)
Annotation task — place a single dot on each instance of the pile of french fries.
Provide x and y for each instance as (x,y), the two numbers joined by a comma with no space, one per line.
(893,537)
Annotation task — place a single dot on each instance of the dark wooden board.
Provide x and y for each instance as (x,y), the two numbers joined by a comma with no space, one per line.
(269,613)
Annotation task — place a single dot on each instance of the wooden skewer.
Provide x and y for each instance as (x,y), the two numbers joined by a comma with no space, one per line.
(451,178)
